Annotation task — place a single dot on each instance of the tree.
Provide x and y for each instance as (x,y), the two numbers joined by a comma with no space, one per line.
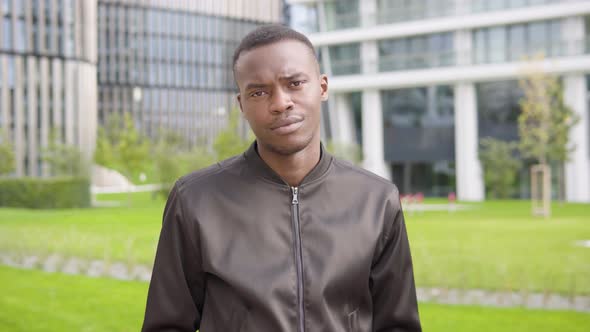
(545,122)
(499,165)
(64,159)
(121,146)
(173,159)
(132,149)
(7,160)
(346,151)
(229,142)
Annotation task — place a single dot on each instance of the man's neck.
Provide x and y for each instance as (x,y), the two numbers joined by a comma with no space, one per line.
(292,168)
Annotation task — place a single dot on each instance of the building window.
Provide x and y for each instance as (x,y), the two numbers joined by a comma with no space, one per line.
(498,105)
(517,42)
(342,14)
(391,11)
(303,17)
(345,59)
(427,51)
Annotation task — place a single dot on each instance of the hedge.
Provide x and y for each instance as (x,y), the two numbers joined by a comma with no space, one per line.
(45,193)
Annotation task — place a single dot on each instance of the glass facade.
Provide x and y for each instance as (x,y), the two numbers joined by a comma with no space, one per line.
(419,138)
(170,68)
(518,41)
(342,14)
(42,55)
(303,17)
(392,11)
(419,123)
(498,105)
(427,51)
(345,59)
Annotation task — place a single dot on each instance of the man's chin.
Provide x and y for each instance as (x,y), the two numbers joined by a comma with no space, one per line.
(287,148)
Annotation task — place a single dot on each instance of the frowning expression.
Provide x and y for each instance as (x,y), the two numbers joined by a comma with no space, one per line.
(281,91)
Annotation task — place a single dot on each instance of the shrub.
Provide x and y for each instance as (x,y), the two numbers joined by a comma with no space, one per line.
(45,193)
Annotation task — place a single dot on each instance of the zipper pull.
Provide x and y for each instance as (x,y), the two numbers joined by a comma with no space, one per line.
(295,191)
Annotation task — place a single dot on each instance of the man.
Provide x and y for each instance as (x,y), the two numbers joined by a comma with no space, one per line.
(284,237)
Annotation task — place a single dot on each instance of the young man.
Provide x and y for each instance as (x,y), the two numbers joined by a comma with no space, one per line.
(284,237)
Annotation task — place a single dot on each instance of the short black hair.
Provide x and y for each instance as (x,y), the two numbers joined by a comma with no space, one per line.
(269,34)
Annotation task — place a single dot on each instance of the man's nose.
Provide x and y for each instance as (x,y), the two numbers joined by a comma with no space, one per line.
(280,101)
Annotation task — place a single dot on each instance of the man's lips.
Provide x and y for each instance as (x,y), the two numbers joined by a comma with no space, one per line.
(287,125)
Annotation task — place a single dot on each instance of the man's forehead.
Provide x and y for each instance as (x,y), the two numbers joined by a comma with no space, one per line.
(283,56)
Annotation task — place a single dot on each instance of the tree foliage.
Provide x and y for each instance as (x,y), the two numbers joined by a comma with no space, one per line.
(174,158)
(121,146)
(347,151)
(500,167)
(64,159)
(545,121)
(7,160)
(229,142)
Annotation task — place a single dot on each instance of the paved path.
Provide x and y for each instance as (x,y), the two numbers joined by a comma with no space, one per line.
(122,271)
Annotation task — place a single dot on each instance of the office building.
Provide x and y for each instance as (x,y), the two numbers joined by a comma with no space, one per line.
(419,83)
(47,77)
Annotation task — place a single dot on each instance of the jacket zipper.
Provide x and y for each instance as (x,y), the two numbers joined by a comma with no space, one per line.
(298,255)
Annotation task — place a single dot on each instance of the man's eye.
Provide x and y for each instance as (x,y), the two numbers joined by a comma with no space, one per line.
(296,83)
(257,94)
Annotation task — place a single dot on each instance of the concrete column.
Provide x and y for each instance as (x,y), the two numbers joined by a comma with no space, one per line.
(368,12)
(44,121)
(32,121)
(87,110)
(577,170)
(369,57)
(373,155)
(89,30)
(57,81)
(343,119)
(19,117)
(572,35)
(463,47)
(70,90)
(470,186)
(5,107)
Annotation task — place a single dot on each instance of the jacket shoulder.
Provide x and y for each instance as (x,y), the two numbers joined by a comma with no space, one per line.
(213,172)
(367,178)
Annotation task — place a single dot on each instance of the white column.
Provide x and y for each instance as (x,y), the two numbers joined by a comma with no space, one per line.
(44,98)
(343,119)
(463,47)
(373,155)
(19,117)
(577,170)
(369,57)
(468,171)
(33,153)
(572,34)
(368,12)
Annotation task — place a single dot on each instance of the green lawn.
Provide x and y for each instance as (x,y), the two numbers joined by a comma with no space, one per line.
(38,301)
(494,245)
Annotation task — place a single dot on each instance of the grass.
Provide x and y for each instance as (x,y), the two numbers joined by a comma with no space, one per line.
(494,245)
(38,301)
(499,245)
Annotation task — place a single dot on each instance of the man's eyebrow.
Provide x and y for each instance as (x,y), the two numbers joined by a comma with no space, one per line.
(251,86)
(293,76)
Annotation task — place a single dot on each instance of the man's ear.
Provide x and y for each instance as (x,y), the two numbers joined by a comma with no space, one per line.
(324,87)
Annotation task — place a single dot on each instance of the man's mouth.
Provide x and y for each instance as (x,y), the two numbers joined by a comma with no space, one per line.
(287,125)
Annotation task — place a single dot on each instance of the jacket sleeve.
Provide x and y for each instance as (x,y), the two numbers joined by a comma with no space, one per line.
(176,291)
(393,291)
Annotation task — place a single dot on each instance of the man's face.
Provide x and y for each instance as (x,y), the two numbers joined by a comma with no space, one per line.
(281,91)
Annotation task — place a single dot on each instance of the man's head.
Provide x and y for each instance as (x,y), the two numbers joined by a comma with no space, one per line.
(280,88)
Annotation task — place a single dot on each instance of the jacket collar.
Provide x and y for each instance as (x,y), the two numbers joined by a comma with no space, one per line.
(260,168)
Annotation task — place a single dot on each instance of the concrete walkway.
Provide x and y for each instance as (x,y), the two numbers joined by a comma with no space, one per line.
(123,271)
